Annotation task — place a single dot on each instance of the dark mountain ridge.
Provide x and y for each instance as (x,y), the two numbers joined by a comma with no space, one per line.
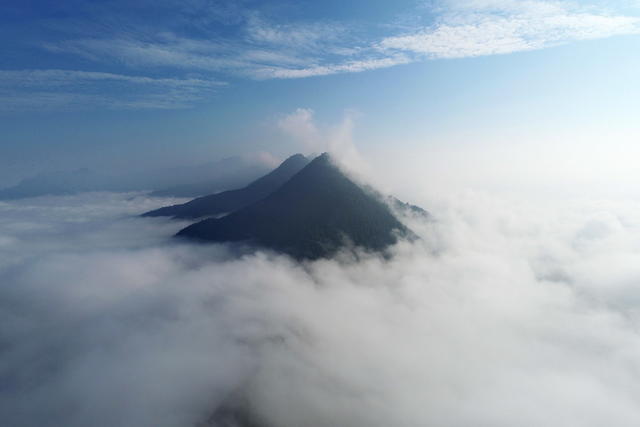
(232,200)
(313,215)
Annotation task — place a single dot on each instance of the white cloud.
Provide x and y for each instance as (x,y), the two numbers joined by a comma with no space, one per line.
(307,36)
(300,126)
(265,49)
(268,53)
(325,70)
(337,139)
(502,309)
(476,28)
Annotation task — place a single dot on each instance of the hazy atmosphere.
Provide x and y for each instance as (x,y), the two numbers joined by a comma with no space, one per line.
(176,250)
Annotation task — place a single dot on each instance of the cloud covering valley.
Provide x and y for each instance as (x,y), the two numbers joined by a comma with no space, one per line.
(503,312)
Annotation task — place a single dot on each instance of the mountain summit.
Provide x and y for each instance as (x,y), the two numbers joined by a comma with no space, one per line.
(232,200)
(311,216)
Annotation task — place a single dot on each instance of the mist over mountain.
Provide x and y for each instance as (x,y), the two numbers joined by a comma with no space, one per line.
(109,321)
(182,181)
(232,200)
(313,215)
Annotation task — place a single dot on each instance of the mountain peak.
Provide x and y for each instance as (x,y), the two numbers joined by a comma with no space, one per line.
(295,157)
(313,215)
(232,200)
(324,158)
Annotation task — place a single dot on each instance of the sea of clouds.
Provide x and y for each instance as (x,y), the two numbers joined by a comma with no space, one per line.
(506,313)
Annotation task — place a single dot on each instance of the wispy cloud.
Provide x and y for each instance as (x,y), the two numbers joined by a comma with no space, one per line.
(477,28)
(72,89)
(155,61)
(169,51)
(260,49)
(354,66)
(308,36)
(263,49)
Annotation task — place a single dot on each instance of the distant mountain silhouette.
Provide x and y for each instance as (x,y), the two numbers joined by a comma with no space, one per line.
(56,183)
(184,181)
(233,200)
(210,186)
(225,174)
(311,216)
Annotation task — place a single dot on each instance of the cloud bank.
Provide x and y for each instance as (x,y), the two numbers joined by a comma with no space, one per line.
(505,313)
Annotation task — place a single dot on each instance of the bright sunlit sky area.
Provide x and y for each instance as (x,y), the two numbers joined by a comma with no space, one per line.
(509,92)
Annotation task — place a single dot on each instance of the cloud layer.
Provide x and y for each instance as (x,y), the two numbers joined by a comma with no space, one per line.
(505,313)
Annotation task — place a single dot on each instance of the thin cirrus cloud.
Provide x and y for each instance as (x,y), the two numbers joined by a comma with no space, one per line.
(254,47)
(506,27)
(71,89)
(266,50)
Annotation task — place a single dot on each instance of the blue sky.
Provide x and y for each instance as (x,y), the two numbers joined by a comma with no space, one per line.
(120,84)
